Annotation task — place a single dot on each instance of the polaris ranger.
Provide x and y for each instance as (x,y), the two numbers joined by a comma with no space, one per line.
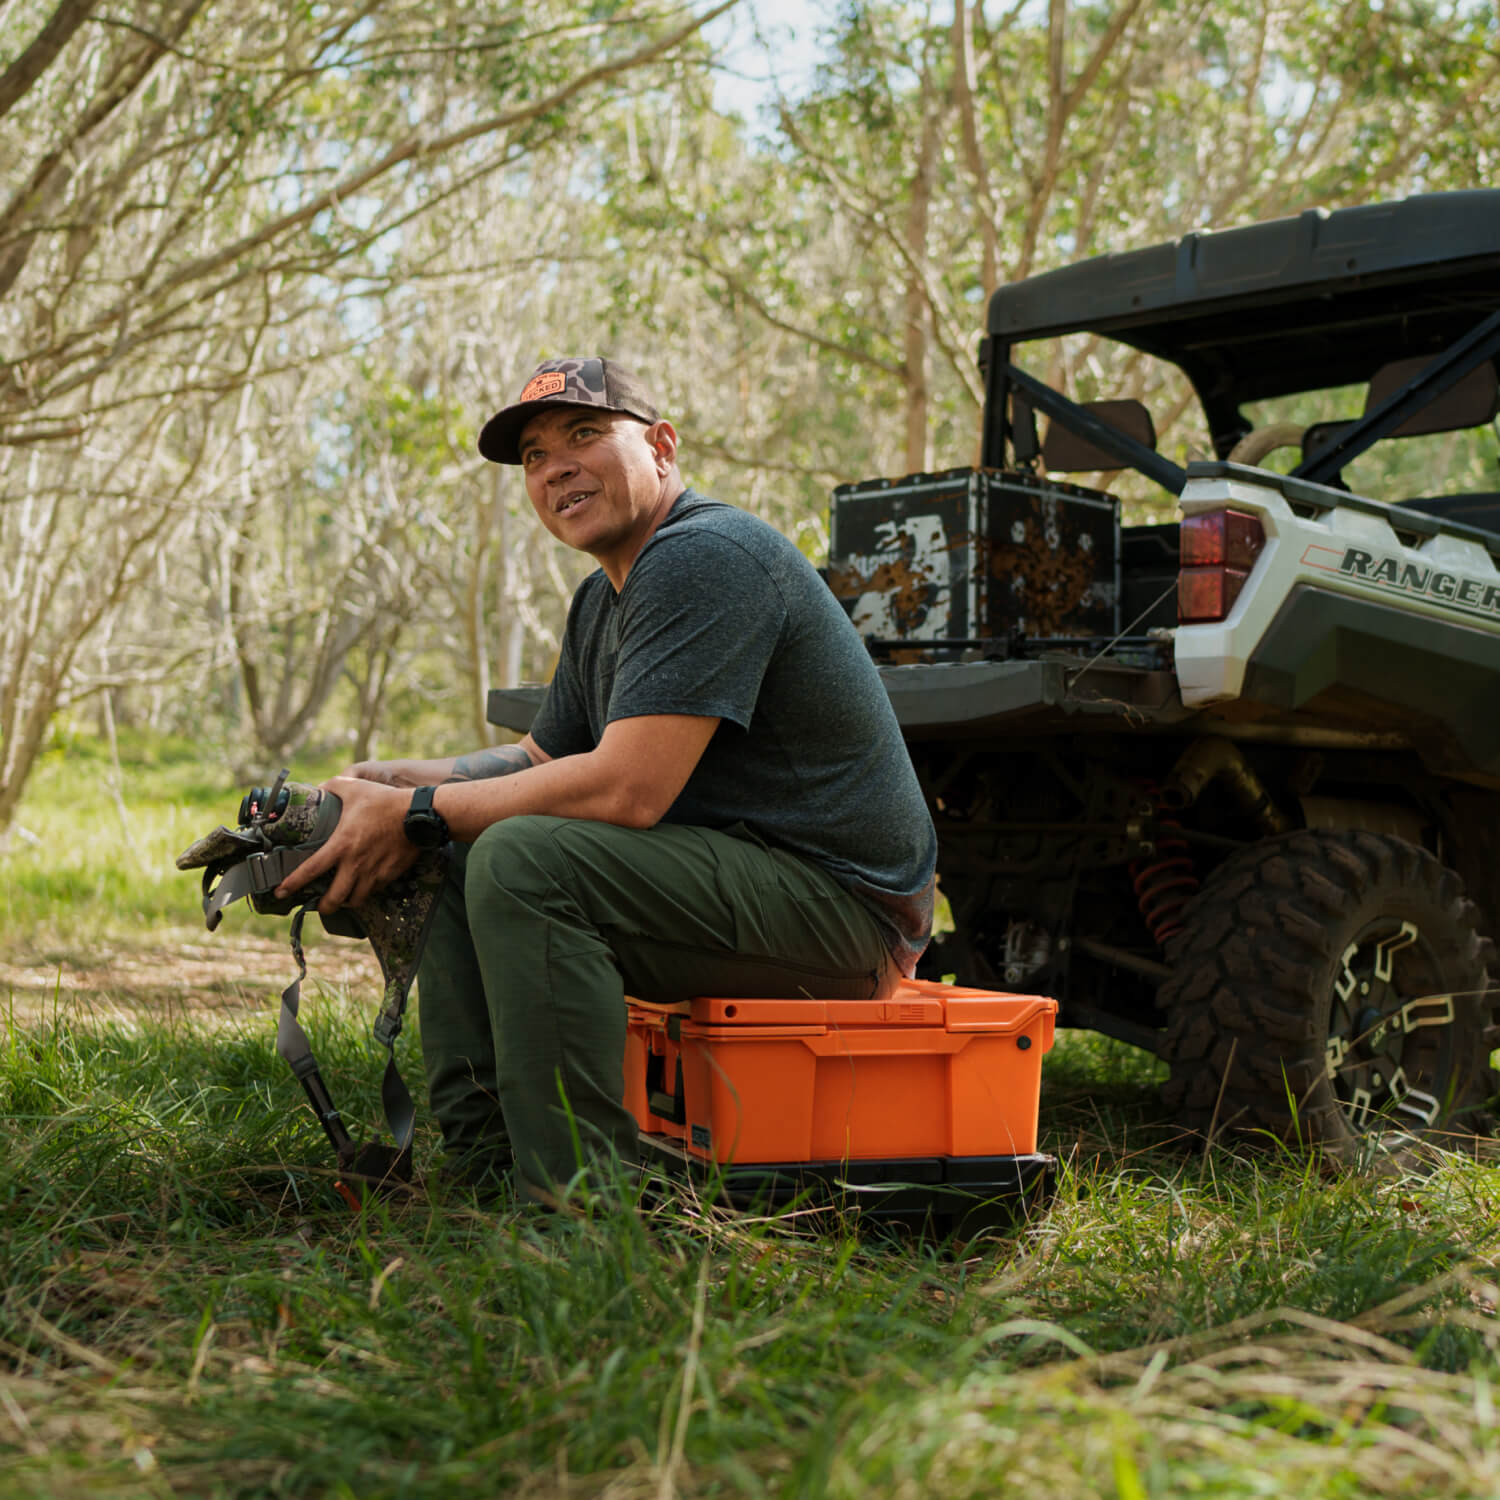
(1227,787)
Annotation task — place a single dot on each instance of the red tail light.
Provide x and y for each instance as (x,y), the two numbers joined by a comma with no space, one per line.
(1217,549)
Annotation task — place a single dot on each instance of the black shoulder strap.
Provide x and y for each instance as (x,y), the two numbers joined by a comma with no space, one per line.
(292,1044)
(372,1166)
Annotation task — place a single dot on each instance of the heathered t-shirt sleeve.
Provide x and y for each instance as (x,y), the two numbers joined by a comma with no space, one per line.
(699,621)
(561,726)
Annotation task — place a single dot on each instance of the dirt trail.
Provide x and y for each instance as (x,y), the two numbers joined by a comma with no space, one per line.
(215,980)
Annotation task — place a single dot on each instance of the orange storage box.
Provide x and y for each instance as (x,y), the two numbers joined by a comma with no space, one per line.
(933,1071)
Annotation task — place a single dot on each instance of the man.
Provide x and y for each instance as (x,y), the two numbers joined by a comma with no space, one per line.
(714,798)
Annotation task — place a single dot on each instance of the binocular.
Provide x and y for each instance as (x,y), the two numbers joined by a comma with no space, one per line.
(284,847)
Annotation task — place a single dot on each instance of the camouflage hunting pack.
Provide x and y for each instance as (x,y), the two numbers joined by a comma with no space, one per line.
(279,828)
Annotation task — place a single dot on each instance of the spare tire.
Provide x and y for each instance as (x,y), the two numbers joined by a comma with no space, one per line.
(1331,989)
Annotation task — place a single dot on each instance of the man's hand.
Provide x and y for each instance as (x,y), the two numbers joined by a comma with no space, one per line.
(368,849)
(631,778)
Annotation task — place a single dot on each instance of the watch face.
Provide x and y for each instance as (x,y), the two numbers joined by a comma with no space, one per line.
(427,829)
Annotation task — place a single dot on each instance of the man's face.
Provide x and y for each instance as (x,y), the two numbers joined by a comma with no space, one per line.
(598,479)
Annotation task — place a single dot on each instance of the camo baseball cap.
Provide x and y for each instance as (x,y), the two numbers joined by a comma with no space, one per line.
(566,382)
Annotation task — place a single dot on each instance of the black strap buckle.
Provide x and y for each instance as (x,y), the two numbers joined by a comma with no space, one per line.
(268,870)
(663,1105)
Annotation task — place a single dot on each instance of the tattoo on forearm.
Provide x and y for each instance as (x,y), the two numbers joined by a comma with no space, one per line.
(482,764)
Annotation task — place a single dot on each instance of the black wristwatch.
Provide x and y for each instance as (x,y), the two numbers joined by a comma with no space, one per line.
(424,825)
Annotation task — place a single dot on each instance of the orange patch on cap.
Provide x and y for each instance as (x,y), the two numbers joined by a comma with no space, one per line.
(551,384)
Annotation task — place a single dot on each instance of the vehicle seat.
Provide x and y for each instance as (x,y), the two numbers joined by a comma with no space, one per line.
(1472,402)
(1065,452)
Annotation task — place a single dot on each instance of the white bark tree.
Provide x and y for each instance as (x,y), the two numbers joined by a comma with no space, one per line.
(183,189)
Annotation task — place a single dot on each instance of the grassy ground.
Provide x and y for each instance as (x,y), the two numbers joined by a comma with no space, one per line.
(187,1309)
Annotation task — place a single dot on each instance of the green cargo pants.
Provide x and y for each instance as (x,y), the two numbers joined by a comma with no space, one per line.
(547,923)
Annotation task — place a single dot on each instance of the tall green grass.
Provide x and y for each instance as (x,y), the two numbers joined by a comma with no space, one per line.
(187,1308)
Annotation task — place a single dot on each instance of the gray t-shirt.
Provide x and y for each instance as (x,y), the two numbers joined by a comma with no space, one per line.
(722,617)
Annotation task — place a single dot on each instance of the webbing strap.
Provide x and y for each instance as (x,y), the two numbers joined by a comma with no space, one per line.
(292,1044)
(400,1112)
(234,884)
(395,1099)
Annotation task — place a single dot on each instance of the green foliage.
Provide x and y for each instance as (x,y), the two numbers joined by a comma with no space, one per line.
(420,429)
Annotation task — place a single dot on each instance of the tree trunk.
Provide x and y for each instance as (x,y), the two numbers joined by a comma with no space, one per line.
(917,331)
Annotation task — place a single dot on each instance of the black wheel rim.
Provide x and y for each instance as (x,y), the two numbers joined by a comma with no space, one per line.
(1389,1053)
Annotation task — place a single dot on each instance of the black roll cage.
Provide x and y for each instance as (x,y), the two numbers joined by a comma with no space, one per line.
(1013,388)
(1346,292)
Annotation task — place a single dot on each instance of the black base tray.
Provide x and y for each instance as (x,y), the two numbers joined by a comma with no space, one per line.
(942,1195)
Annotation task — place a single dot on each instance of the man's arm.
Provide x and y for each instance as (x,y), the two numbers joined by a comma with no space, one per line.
(630,778)
(477,765)
(499,760)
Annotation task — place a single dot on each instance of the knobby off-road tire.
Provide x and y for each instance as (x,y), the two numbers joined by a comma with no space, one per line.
(1331,989)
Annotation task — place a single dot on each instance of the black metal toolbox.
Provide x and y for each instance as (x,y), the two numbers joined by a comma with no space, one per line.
(969,555)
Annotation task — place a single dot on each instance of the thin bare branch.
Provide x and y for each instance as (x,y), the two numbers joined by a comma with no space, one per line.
(16,81)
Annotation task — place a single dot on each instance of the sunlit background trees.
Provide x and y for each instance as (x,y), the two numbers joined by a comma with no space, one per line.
(266,266)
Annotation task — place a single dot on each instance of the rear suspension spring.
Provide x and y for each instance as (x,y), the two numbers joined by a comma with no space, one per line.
(1164,882)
